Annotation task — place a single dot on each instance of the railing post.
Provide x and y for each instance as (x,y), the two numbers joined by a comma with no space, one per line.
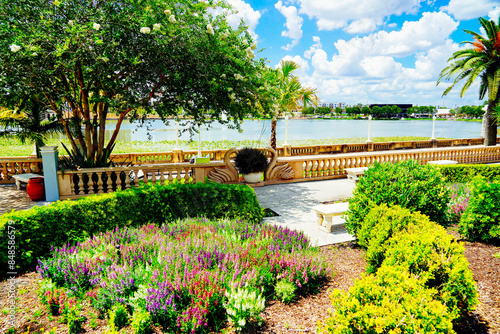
(178,155)
(50,157)
(434,143)
(287,150)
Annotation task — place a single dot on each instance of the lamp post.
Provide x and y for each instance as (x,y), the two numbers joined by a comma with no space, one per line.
(433,127)
(286,130)
(369,128)
(176,135)
(199,141)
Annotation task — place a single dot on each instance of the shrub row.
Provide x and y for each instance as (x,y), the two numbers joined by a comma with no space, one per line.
(465,173)
(419,280)
(481,219)
(38,229)
(407,183)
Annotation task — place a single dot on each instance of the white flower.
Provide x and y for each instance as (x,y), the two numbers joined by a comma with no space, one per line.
(167,12)
(225,34)
(96,26)
(210,29)
(56,3)
(238,76)
(34,54)
(171,18)
(232,96)
(105,59)
(223,75)
(14,48)
(241,322)
(249,52)
(156,27)
(254,45)
(145,30)
(245,42)
(229,89)
(195,14)
(71,22)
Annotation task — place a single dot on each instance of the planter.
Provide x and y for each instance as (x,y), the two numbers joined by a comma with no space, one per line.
(252,177)
(36,189)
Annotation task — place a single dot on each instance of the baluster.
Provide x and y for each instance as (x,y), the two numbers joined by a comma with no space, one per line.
(127,180)
(170,176)
(162,176)
(81,188)
(99,182)
(186,175)
(153,177)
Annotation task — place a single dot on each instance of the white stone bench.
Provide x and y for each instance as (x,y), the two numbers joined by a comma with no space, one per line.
(353,174)
(325,213)
(443,162)
(23,178)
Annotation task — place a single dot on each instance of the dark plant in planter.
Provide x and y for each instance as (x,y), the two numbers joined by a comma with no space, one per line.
(250,160)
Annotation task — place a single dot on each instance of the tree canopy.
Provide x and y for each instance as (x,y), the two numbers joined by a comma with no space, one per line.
(481,62)
(90,59)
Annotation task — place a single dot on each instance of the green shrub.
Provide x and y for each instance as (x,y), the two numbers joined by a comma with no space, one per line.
(407,184)
(141,322)
(285,291)
(244,306)
(438,260)
(250,160)
(481,219)
(465,173)
(33,232)
(393,301)
(118,316)
(380,225)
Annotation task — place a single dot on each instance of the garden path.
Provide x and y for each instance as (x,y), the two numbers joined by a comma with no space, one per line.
(294,201)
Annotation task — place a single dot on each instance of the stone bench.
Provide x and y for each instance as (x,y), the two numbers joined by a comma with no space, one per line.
(443,162)
(353,174)
(23,178)
(325,213)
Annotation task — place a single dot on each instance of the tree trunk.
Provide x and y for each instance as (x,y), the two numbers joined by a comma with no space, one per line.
(273,133)
(490,138)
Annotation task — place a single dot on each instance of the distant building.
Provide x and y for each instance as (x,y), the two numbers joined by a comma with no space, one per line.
(444,113)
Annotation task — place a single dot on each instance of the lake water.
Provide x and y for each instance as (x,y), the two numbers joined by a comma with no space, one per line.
(302,129)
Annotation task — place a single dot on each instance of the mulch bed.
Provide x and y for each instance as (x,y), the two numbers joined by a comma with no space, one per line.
(303,315)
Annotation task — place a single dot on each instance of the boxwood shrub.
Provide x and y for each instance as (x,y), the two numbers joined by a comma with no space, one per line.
(40,228)
(465,173)
(407,184)
(393,301)
(481,219)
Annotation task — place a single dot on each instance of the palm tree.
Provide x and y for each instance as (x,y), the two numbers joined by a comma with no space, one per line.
(481,61)
(26,123)
(289,93)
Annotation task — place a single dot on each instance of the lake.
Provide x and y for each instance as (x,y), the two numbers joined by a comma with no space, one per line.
(301,129)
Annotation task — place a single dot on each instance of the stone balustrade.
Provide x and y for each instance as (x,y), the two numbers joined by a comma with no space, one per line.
(16,166)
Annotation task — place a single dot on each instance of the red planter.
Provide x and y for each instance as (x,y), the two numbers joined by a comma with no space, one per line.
(36,189)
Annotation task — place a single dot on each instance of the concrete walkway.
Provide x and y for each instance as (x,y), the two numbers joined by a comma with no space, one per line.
(294,201)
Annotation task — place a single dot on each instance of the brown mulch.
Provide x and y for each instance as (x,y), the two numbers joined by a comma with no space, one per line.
(303,315)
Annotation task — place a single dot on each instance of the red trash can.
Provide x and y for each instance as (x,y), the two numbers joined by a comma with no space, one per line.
(36,189)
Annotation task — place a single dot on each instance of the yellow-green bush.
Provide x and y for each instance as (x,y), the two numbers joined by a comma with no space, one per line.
(465,173)
(393,301)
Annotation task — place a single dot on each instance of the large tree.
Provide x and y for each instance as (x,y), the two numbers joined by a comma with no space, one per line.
(284,92)
(482,62)
(88,59)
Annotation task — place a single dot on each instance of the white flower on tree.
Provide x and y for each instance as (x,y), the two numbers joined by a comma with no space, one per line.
(171,18)
(71,22)
(145,30)
(167,12)
(15,48)
(238,76)
(56,3)
(156,27)
(96,26)
(210,29)
(249,52)
(254,45)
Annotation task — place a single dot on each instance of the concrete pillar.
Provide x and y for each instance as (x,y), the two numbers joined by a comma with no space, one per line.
(287,150)
(178,155)
(50,159)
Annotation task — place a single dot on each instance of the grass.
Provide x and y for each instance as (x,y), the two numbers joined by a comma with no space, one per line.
(13,148)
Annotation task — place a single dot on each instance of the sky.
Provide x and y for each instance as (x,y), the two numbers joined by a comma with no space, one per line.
(368,51)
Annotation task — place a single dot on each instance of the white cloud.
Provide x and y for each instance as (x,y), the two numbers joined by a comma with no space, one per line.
(245,12)
(467,9)
(293,24)
(359,16)
(494,13)
(400,66)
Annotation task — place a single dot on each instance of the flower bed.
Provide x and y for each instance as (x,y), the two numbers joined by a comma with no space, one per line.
(187,275)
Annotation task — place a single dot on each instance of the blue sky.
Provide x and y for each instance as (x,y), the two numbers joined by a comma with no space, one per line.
(368,51)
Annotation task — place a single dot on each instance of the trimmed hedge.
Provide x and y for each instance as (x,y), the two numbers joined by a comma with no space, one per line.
(421,284)
(407,184)
(481,219)
(38,229)
(465,173)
